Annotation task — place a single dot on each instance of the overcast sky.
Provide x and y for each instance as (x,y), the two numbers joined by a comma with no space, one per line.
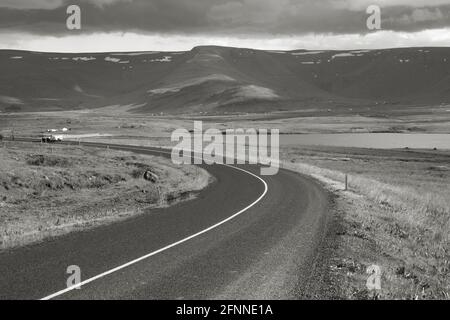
(132,25)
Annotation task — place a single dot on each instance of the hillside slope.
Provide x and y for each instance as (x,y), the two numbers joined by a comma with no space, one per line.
(219,80)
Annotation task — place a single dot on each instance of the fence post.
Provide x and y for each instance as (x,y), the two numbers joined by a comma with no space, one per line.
(346,182)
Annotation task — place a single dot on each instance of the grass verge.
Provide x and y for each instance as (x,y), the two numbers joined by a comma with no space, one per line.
(396,215)
(49,190)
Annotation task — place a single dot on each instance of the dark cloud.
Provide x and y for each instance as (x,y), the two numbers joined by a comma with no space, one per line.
(218,17)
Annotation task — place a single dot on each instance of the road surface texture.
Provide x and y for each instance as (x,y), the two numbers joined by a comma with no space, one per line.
(265,252)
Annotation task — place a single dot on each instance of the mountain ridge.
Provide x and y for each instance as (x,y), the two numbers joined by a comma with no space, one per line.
(214,79)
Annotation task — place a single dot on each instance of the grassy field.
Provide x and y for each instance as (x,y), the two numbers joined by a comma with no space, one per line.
(111,121)
(47,190)
(396,214)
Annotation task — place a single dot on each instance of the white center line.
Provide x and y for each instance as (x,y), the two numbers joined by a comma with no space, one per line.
(104,274)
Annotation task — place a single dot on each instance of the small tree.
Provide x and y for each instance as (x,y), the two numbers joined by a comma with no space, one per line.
(1,137)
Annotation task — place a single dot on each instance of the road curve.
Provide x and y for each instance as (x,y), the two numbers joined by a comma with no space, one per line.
(265,251)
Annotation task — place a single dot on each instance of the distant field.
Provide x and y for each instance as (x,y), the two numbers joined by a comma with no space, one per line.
(113,123)
(47,190)
(396,214)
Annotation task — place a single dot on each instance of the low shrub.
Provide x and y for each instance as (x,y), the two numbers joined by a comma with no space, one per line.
(48,161)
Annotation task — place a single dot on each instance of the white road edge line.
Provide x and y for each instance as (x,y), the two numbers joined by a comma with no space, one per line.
(104,274)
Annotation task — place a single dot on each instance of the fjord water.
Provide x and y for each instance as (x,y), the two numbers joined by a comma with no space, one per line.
(369,140)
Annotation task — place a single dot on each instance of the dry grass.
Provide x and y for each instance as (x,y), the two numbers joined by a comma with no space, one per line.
(396,214)
(51,190)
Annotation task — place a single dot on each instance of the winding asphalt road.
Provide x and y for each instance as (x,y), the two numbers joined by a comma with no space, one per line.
(244,237)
